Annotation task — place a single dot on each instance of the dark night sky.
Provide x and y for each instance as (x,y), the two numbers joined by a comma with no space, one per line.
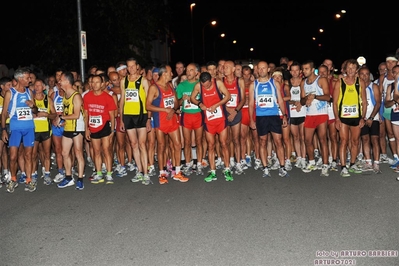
(273,29)
(276,29)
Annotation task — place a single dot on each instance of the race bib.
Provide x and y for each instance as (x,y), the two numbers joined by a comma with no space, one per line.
(215,114)
(265,101)
(169,102)
(350,111)
(233,101)
(95,121)
(59,108)
(24,113)
(43,117)
(132,95)
(189,105)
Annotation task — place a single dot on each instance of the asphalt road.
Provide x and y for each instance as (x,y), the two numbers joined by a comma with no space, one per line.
(251,221)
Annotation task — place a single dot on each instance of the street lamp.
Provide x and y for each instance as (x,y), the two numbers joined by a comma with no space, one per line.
(213,23)
(192,30)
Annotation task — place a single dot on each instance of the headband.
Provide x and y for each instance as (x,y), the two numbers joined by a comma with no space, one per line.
(391,58)
(277,73)
(121,67)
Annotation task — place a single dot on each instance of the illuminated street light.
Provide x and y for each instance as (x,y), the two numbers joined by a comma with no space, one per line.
(361,60)
(213,23)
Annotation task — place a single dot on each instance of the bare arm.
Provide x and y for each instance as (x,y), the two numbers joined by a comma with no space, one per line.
(77,107)
(226,94)
(251,106)
(193,97)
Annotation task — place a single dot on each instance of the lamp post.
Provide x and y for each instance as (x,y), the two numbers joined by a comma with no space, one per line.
(192,5)
(213,23)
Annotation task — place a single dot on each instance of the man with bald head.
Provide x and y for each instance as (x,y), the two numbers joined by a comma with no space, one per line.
(191,120)
(266,99)
(233,107)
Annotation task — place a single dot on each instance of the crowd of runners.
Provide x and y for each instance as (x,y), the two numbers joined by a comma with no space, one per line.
(158,122)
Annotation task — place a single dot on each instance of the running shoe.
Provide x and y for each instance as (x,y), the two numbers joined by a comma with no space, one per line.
(309,168)
(239,169)
(288,165)
(180,177)
(187,169)
(11,186)
(79,185)
(282,172)
(227,175)
(344,172)
(131,167)
(367,168)
(334,166)
(303,162)
(97,179)
(384,158)
(276,165)
(109,180)
(58,178)
(258,164)
(117,168)
(137,178)
(162,179)
(219,163)
(31,186)
(151,170)
(248,161)
(200,170)
(22,178)
(211,177)
(324,170)
(232,163)
(146,180)
(6,178)
(244,165)
(122,172)
(394,164)
(319,163)
(266,172)
(47,179)
(298,162)
(66,183)
(376,168)
(354,169)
